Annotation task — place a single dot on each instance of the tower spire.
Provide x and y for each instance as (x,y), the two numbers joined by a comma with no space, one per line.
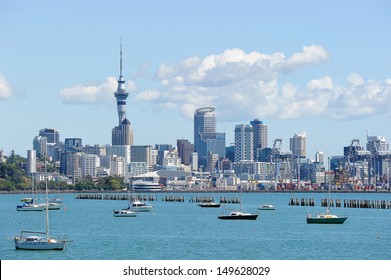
(120,60)
(121,93)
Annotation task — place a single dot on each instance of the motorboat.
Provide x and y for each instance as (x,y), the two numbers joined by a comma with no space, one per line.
(124,213)
(266,207)
(140,206)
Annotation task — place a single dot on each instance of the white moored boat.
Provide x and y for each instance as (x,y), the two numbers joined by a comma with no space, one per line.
(140,206)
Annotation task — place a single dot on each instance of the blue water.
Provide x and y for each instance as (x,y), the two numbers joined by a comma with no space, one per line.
(184,231)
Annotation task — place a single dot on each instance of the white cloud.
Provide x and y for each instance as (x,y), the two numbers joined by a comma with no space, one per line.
(5,88)
(92,94)
(243,86)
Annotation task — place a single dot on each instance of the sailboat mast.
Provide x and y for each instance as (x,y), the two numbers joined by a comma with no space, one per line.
(47,201)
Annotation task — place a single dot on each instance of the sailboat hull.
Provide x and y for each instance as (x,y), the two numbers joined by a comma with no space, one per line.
(238,216)
(34,243)
(209,204)
(322,220)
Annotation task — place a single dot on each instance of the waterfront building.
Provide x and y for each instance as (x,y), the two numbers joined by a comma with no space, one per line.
(123,133)
(260,131)
(244,142)
(172,159)
(298,145)
(31,162)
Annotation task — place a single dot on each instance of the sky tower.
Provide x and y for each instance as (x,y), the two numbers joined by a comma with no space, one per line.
(121,93)
(123,133)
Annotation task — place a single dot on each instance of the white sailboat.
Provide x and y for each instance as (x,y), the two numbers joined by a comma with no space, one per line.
(39,240)
(210,204)
(327,217)
(30,203)
(239,215)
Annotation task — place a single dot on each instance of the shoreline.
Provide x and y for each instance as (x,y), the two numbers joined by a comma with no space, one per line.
(199,191)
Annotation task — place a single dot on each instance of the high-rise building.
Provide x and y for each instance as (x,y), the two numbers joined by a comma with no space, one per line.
(244,145)
(52,135)
(210,143)
(206,139)
(320,157)
(31,162)
(185,150)
(123,133)
(73,144)
(204,121)
(89,164)
(298,145)
(40,145)
(260,136)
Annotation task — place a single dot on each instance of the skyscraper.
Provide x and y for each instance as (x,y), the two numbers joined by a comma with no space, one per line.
(52,135)
(244,145)
(206,139)
(123,133)
(298,145)
(204,121)
(260,136)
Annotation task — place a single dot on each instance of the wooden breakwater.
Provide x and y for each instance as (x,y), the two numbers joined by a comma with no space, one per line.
(116,197)
(173,198)
(294,201)
(201,199)
(346,203)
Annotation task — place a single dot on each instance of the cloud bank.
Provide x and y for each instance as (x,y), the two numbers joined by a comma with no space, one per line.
(94,93)
(5,88)
(244,86)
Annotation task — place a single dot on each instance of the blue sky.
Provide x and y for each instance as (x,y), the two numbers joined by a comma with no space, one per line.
(320,67)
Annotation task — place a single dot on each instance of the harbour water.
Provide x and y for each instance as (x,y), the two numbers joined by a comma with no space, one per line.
(184,231)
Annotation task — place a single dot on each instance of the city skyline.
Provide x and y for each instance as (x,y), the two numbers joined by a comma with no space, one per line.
(298,67)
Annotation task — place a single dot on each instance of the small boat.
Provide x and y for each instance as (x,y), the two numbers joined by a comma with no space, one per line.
(266,207)
(39,240)
(124,213)
(238,215)
(30,207)
(209,204)
(140,206)
(325,218)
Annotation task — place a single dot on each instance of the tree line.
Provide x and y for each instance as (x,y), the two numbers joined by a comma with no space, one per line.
(13,178)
